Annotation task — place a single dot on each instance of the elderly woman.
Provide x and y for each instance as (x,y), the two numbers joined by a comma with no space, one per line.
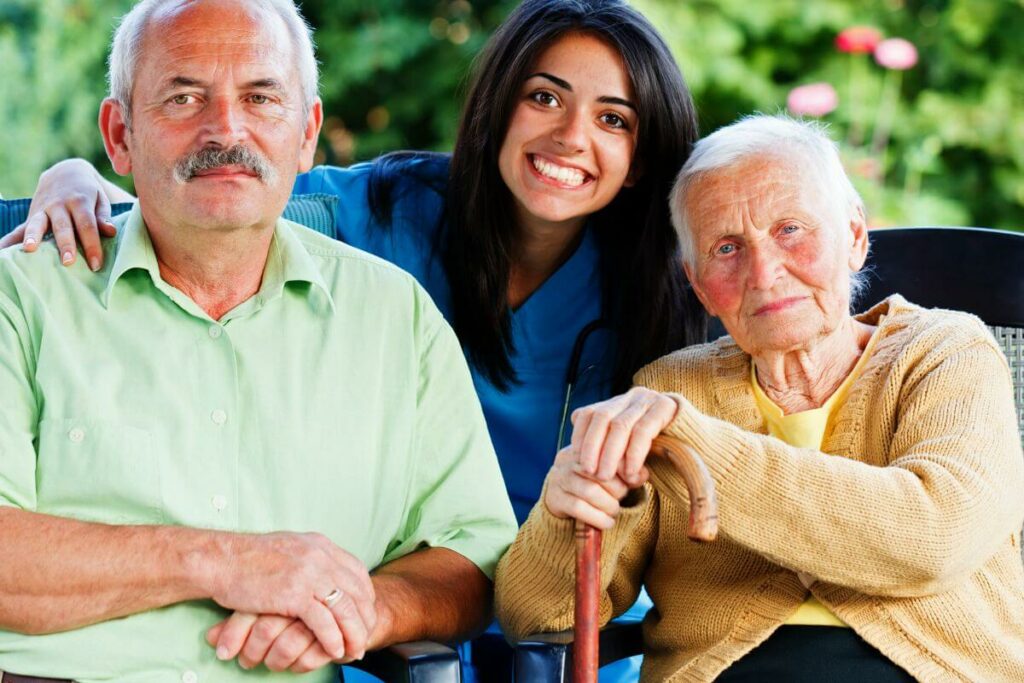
(868,468)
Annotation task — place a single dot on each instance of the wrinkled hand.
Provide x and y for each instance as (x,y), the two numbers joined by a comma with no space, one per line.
(280,643)
(570,493)
(68,200)
(614,437)
(288,574)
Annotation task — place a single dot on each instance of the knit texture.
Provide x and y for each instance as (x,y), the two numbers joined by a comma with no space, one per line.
(912,534)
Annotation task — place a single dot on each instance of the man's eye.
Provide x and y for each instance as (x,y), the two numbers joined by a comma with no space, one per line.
(181,99)
(544,98)
(259,99)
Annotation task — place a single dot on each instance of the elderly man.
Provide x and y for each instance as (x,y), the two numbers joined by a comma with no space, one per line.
(261,414)
(868,468)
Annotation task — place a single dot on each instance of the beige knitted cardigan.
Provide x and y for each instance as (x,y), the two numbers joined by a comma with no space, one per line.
(911,527)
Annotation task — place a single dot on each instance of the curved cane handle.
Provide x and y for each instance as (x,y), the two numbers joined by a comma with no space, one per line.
(703,503)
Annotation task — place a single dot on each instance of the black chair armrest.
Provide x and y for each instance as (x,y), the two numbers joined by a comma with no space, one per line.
(421,661)
(547,657)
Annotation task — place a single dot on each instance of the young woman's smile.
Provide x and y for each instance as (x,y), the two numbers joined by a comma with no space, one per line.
(569,146)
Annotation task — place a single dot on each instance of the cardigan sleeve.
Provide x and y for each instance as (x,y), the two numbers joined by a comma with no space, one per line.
(535,581)
(948,498)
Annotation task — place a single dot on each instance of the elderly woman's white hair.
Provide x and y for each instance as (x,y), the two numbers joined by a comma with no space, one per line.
(127,44)
(791,140)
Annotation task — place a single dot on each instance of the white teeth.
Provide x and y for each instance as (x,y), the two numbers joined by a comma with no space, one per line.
(566,176)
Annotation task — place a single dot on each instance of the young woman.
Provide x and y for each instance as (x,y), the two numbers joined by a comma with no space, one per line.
(539,237)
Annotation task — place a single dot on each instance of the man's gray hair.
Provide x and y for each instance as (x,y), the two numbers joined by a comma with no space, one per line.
(804,142)
(126,48)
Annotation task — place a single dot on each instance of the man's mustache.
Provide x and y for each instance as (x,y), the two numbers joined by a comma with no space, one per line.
(209,158)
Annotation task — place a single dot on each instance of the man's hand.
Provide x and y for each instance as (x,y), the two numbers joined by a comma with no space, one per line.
(71,198)
(281,643)
(290,574)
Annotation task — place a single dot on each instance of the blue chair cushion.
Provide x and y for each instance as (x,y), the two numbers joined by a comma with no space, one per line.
(316,211)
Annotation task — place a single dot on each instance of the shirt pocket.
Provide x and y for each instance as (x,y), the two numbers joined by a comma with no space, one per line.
(97,470)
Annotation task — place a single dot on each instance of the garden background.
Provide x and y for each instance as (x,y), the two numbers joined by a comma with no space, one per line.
(938,143)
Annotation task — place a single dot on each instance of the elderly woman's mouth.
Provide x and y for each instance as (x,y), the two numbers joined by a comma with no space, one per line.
(779,305)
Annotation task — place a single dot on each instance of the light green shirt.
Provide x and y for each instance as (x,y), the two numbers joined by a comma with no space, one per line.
(335,400)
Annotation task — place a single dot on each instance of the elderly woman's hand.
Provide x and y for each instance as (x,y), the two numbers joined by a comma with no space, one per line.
(614,437)
(570,493)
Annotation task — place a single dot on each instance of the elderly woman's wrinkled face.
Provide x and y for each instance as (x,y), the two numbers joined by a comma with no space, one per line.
(774,253)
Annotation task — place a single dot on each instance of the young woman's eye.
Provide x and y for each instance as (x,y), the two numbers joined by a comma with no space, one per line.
(544,98)
(614,120)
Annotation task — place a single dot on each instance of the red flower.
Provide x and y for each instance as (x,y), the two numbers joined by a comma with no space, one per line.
(858,39)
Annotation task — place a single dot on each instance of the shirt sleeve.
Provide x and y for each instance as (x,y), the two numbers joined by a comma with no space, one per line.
(18,405)
(458,499)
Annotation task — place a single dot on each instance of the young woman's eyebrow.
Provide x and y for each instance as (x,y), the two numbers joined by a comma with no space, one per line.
(565,85)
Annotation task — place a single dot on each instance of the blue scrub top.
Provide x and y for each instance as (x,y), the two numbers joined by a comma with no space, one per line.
(524,420)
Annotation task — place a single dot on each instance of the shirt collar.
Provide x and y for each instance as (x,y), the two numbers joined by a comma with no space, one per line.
(288,260)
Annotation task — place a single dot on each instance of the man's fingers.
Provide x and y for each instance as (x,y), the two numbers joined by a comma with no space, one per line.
(213,633)
(321,621)
(233,634)
(263,634)
(289,646)
(312,659)
(103,212)
(63,234)
(352,626)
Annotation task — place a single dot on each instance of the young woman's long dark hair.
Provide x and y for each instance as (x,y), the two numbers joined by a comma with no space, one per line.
(646,298)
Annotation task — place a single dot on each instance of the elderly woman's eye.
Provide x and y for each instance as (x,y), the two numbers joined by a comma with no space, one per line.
(789,229)
(726,249)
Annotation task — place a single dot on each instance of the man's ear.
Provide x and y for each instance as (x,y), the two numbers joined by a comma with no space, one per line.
(115,133)
(310,135)
(859,231)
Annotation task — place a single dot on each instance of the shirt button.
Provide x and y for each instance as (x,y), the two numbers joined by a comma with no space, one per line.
(219,502)
(189,677)
(215,331)
(76,435)
(219,417)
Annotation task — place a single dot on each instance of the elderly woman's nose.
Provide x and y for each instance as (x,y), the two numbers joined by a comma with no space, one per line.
(764,268)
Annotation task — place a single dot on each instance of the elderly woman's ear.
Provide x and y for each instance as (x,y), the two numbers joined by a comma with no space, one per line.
(859,230)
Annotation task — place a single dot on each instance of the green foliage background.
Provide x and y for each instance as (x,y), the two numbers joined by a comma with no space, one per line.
(394,71)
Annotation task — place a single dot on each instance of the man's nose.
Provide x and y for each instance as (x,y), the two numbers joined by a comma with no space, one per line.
(224,122)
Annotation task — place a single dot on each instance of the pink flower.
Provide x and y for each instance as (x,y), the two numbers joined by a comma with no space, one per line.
(896,53)
(814,99)
(858,39)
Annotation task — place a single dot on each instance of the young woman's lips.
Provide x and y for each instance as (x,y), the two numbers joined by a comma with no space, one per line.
(779,305)
(554,182)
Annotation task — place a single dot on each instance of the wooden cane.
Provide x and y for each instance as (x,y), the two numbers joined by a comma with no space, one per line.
(703,527)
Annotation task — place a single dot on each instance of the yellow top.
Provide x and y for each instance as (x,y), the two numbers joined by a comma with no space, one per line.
(911,526)
(806,429)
